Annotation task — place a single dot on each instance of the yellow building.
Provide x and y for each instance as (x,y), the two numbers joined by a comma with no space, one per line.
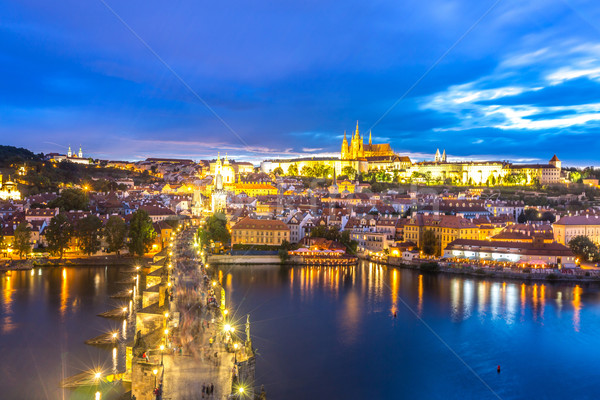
(569,227)
(445,227)
(252,189)
(260,231)
(358,150)
(8,190)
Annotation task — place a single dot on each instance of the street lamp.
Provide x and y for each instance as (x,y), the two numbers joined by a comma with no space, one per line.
(155,371)
(162,348)
(166,332)
(114,335)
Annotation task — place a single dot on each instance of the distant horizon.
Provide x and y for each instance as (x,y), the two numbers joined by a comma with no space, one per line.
(415,157)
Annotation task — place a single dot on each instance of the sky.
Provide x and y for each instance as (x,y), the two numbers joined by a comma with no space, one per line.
(483,79)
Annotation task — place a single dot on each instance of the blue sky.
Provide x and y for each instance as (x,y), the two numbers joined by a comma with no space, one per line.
(288,78)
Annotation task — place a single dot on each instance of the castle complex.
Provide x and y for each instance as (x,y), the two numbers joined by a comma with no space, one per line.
(380,157)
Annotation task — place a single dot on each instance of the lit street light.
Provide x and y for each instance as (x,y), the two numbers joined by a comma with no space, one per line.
(162,348)
(155,371)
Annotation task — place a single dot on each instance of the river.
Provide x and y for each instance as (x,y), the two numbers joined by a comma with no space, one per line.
(327,333)
(330,333)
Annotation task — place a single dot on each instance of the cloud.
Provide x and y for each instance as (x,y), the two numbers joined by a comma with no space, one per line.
(505,99)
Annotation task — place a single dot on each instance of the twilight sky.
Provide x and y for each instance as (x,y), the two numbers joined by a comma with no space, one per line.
(508,79)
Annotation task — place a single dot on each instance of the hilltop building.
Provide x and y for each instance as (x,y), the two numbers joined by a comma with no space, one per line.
(70,157)
(8,190)
(363,158)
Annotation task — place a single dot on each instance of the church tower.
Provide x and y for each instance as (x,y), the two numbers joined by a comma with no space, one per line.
(444,156)
(370,141)
(344,152)
(69,153)
(80,154)
(438,157)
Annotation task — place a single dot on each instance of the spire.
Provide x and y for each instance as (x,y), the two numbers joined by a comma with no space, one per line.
(370,142)
(444,156)
(357,134)
(437,155)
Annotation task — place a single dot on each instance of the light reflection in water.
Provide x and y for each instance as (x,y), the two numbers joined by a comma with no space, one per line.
(420,291)
(124,329)
(534,301)
(7,292)
(523,300)
(114,360)
(395,283)
(64,293)
(576,307)
(542,300)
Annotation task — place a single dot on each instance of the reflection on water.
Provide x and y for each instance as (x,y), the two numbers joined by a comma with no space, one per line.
(337,325)
(45,317)
(490,299)
(7,292)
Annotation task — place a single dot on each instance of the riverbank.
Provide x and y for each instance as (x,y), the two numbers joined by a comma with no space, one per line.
(92,261)
(524,277)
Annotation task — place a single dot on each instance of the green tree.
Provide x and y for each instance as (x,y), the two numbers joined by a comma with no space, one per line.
(293,170)
(115,232)
(88,230)
(575,176)
(346,240)
(70,199)
(349,172)
(22,240)
(429,245)
(278,171)
(58,233)
(307,171)
(215,229)
(584,248)
(141,233)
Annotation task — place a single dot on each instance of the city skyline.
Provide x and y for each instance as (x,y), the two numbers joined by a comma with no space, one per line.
(505,81)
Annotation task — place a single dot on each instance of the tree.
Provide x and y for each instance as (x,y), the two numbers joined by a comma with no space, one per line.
(215,229)
(22,240)
(115,232)
(429,245)
(58,234)
(88,231)
(293,170)
(346,240)
(583,247)
(307,171)
(141,233)
(70,199)
(278,171)
(349,172)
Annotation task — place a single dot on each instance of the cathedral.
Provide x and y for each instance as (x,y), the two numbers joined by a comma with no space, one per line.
(357,150)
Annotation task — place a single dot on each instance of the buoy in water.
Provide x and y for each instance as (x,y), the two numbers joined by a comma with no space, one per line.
(498,369)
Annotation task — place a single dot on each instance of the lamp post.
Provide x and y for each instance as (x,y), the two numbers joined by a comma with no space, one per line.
(162,354)
(155,371)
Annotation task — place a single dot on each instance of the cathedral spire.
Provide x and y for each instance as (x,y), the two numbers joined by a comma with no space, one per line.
(357,134)
(370,142)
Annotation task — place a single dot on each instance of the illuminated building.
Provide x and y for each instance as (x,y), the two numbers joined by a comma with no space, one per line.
(8,190)
(446,228)
(569,227)
(363,158)
(260,231)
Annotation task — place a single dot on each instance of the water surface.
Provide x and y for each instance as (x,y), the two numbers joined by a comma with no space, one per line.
(330,333)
